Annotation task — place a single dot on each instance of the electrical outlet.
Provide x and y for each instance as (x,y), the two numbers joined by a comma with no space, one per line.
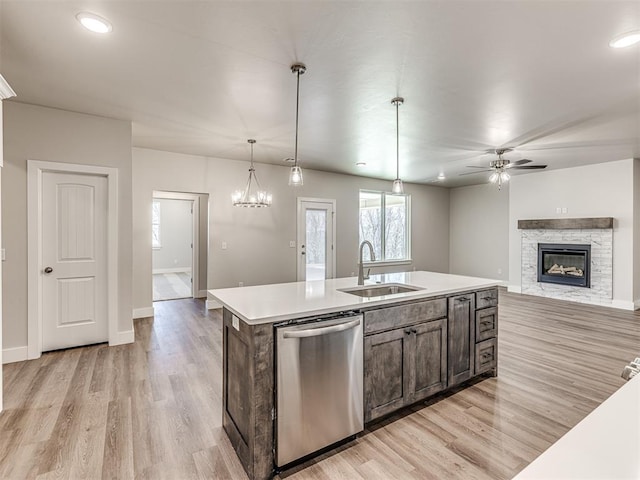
(292,244)
(499,271)
(558,210)
(224,245)
(565,210)
(241,284)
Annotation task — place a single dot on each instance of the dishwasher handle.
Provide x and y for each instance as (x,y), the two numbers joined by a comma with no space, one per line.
(315,332)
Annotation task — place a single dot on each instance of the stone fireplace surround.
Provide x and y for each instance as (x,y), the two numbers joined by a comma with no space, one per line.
(597,232)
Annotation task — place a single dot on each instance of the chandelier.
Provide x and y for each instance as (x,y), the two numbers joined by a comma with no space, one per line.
(252,196)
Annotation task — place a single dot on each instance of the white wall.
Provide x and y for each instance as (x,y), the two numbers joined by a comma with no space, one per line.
(601,190)
(636,232)
(258,239)
(176,236)
(40,133)
(479,231)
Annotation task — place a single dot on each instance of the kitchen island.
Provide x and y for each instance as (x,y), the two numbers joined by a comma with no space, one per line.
(439,333)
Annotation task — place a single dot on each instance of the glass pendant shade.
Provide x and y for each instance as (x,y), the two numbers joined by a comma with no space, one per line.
(504,176)
(252,196)
(295,177)
(397,188)
(494,177)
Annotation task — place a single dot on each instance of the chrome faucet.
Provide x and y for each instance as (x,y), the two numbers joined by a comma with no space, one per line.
(361,275)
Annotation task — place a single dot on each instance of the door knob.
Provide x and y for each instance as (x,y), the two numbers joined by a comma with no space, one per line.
(48,270)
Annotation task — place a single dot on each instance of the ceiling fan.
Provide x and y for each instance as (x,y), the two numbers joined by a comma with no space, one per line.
(500,166)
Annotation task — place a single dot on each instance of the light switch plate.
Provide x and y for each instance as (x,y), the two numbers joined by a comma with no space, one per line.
(224,245)
(292,244)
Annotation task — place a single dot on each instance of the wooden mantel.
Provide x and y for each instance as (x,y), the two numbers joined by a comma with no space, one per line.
(565,223)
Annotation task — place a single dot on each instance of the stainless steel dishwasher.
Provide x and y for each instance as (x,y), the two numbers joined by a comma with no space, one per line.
(319,385)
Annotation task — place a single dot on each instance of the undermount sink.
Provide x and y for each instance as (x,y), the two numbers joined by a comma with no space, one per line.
(380,290)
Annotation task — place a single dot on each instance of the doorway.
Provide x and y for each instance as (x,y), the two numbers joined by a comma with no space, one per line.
(316,239)
(179,255)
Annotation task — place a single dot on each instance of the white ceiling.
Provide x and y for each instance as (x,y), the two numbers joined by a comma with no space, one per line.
(202,77)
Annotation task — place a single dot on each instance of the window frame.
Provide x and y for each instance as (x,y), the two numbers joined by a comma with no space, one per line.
(383,195)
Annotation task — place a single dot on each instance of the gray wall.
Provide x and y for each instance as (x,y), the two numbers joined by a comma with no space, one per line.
(601,190)
(258,249)
(479,231)
(176,234)
(40,133)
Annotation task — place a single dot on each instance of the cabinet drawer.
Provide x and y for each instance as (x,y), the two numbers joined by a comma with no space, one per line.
(396,317)
(486,323)
(486,355)
(487,298)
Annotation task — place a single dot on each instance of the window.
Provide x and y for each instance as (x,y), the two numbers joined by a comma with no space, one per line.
(385,222)
(155,225)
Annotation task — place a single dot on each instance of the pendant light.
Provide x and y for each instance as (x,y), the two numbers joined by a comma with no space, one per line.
(295,175)
(252,196)
(398,188)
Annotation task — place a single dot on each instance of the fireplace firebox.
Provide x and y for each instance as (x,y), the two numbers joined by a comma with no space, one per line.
(565,264)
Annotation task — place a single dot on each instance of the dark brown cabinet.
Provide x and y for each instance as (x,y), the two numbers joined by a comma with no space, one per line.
(461,338)
(403,365)
(486,332)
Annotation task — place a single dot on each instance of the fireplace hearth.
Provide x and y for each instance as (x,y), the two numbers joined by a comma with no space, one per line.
(564,264)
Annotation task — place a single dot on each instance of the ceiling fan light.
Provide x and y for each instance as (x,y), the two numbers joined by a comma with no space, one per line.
(295,177)
(494,177)
(625,40)
(398,188)
(504,176)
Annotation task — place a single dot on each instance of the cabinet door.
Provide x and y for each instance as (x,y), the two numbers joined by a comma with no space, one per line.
(385,375)
(461,338)
(428,367)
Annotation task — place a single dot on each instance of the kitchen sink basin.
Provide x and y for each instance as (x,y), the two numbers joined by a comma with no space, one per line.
(380,290)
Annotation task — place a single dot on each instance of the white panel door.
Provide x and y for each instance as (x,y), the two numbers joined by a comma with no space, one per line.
(74,260)
(316,256)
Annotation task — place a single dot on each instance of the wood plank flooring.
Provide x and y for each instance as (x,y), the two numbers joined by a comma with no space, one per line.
(152,409)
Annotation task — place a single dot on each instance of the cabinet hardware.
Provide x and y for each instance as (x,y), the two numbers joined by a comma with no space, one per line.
(463,299)
(414,331)
(408,332)
(487,298)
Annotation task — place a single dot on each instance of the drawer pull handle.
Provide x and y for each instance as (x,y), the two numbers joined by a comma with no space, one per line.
(463,299)
(487,298)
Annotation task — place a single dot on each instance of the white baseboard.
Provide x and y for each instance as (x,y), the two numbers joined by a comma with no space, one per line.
(123,338)
(201,294)
(143,312)
(624,304)
(514,289)
(636,304)
(171,270)
(211,304)
(16,354)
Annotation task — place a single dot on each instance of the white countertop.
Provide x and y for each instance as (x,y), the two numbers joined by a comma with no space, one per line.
(604,445)
(286,301)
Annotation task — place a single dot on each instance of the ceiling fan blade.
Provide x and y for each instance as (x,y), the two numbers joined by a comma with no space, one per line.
(519,162)
(476,166)
(473,173)
(530,167)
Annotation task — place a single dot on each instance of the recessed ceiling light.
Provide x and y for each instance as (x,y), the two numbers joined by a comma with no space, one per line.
(361,164)
(94,23)
(625,40)
(441,176)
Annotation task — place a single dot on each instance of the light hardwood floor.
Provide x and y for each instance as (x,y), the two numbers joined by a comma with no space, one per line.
(152,409)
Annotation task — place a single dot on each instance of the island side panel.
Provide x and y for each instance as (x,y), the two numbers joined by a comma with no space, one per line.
(248,394)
